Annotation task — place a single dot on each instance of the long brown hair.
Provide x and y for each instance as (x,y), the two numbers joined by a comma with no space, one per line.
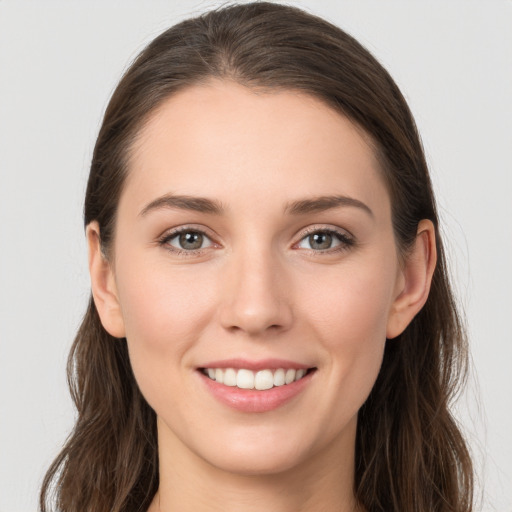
(410,455)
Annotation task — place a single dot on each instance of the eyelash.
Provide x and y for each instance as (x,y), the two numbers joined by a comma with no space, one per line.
(346,241)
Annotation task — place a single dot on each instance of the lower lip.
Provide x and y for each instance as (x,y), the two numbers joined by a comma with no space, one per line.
(250,400)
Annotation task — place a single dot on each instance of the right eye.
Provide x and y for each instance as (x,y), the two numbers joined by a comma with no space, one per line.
(187,240)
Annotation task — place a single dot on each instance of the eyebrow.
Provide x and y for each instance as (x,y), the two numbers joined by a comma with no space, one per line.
(323,203)
(211,206)
(197,204)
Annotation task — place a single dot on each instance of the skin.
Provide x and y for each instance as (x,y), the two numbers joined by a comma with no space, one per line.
(257,289)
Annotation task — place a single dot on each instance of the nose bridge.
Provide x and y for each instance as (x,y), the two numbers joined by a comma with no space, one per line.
(255,293)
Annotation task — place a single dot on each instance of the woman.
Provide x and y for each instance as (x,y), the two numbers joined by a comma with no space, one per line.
(271,322)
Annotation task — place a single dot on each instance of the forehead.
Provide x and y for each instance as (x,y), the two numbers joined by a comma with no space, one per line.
(236,143)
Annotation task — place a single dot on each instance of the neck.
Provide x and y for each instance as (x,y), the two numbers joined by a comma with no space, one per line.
(189,483)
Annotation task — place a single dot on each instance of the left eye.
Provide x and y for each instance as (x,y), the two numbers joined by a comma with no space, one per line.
(323,240)
(189,240)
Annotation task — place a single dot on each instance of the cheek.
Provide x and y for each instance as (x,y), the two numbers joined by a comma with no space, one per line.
(353,308)
(160,301)
(350,321)
(164,313)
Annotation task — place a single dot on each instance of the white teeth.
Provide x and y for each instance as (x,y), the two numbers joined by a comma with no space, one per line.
(230,377)
(264,380)
(290,376)
(245,379)
(261,380)
(279,377)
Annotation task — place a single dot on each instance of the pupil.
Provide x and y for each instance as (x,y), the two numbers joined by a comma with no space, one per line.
(320,241)
(191,240)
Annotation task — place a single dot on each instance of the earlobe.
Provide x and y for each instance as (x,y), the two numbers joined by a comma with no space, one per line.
(103,284)
(416,278)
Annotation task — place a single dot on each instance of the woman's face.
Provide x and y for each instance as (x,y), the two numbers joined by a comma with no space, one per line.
(254,238)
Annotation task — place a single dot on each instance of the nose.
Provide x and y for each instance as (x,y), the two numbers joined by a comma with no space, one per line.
(256,298)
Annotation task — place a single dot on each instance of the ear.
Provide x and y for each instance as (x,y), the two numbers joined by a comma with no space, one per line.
(414,280)
(104,290)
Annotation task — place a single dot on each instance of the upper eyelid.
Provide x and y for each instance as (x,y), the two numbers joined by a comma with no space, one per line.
(172,232)
(323,228)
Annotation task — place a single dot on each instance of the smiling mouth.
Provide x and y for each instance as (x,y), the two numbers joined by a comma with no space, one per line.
(260,380)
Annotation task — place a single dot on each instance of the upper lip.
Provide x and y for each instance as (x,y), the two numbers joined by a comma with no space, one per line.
(255,365)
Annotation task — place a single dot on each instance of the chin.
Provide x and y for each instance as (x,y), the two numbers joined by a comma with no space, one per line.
(260,454)
(244,465)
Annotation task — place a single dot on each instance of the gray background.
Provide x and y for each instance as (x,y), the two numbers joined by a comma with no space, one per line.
(59,62)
